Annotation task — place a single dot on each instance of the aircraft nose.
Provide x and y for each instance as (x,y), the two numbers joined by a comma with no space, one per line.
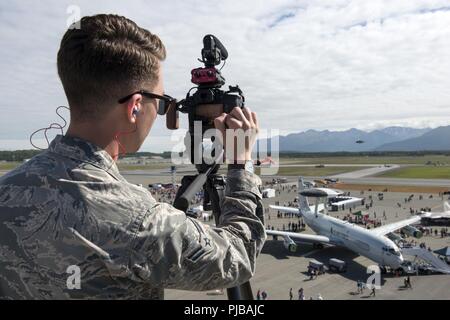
(399,260)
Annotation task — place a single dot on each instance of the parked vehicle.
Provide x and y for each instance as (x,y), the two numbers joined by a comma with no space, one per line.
(337,265)
(316,265)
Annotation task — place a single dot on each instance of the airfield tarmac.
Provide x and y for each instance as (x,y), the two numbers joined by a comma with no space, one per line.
(278,270)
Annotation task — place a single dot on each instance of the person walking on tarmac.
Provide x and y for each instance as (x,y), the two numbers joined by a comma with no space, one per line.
(301,295)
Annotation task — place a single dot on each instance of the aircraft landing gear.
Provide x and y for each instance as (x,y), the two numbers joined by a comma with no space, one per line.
(400,271)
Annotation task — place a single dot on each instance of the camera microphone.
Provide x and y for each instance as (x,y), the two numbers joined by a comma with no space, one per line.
(214,51)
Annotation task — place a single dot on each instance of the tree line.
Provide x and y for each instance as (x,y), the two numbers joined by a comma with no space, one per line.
(362,154)
(18,155)
(21,155)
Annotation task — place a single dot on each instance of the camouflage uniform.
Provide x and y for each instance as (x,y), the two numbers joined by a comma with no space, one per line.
(70,206)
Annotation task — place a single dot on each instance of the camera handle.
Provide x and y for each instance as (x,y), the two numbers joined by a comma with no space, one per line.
(214,187)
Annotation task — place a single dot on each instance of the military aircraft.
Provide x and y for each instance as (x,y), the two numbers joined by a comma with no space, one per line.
(438,218)
(376,244)
(445,213)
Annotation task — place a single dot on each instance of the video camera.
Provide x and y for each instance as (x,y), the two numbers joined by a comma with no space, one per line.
(209,101)
(204,105)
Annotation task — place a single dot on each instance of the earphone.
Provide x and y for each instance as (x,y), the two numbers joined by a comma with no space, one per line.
(135,111)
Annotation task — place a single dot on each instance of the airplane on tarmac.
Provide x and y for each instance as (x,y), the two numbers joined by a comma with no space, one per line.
(438,218)
(376,244)
(439,214)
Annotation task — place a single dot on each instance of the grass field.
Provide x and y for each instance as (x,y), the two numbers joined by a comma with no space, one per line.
(313,171)
(6,166)
(419,172)
(153,166)
(418,160)
(382,188)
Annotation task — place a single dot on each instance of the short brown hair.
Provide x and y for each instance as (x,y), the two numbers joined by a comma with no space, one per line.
(107,56)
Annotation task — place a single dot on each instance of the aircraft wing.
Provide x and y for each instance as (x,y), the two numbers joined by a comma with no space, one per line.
(440,215)
(446,207)
(296,210)
(300,237)
(286,209)
(384,230)
(436,215)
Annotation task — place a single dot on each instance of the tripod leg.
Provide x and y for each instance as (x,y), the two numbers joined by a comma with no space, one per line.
(234,293)
(215,188)
(246,291)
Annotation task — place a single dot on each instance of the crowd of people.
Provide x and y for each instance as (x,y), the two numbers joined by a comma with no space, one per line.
(166,195)
(371,220)
(360,286)
(298,225)
(301,295)
(363,220)
(261,295)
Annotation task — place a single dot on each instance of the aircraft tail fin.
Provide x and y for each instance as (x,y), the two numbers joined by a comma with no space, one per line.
(303,204)
(446,206)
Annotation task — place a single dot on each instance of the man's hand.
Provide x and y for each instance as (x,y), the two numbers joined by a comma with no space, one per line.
(239,130)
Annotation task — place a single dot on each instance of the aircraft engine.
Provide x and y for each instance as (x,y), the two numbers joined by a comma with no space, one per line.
(413,232)
(394,237)
(289,244)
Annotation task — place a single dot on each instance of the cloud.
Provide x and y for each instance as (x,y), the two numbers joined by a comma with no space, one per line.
(302,64)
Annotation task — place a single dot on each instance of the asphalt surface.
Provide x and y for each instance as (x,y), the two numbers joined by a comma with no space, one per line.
(278,270)
(398,181)
(365,172)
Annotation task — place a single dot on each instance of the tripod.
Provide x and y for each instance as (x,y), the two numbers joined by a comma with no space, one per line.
(213,185)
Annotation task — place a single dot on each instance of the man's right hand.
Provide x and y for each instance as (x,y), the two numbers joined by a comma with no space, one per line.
(242,126)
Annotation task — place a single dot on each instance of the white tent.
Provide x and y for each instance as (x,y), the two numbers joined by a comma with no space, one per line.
(268,193)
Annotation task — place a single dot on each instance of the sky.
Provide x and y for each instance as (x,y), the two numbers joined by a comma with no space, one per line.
(302,65)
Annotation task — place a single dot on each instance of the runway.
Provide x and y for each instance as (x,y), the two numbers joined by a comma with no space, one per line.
(398,181)
(365,172)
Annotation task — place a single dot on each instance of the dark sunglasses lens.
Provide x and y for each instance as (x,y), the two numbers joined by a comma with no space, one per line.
(162,107)
(165,105)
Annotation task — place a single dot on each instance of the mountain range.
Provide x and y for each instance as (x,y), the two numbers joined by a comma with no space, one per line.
(354,140)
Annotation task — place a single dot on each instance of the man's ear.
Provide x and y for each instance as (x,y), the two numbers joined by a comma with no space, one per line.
(134,106)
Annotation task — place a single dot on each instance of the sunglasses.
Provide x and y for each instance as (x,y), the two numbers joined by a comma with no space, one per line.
(165,101)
